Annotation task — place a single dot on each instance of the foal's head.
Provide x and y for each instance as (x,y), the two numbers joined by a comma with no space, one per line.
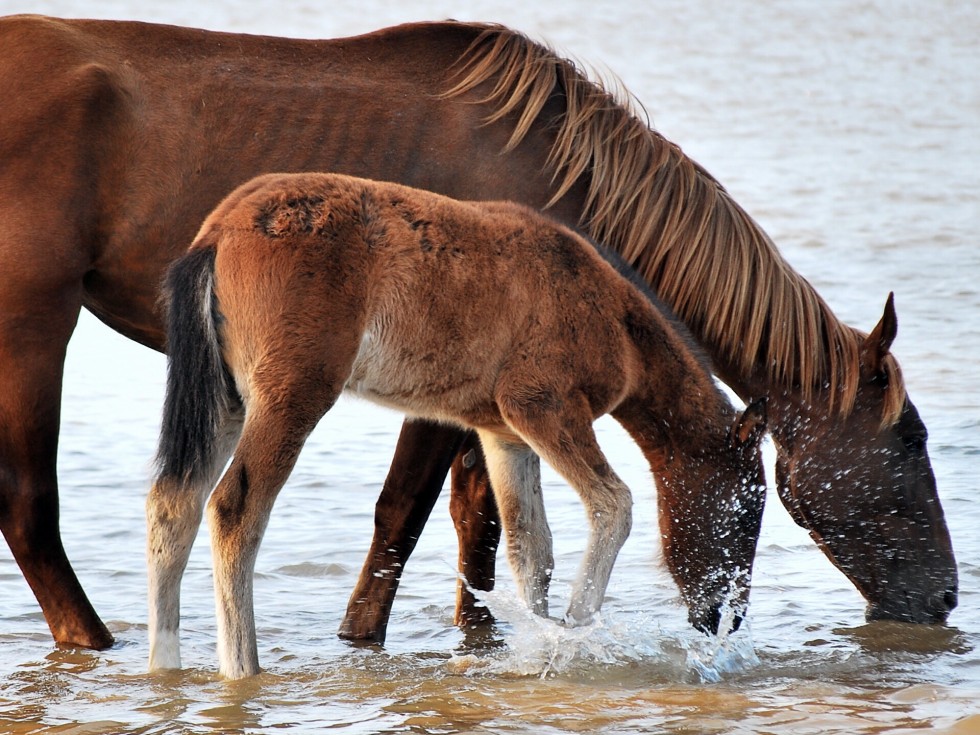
(711,496)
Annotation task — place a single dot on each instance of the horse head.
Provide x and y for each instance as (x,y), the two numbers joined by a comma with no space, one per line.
(710,517)
(867,495)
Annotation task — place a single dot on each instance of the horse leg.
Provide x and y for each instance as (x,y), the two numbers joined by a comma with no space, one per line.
(515,474)
(34,332)
(173,517)
(567,442)
(238,513)
(422,458)
(474,513)
(608,506)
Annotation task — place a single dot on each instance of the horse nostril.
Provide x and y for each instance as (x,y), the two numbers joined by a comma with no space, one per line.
(709,621)
(940,605)
(950,598)
(736,623)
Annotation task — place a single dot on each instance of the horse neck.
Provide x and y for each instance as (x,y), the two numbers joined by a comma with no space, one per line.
(675,408)
(786,404)
(790,411)
(670,439)
(810,366)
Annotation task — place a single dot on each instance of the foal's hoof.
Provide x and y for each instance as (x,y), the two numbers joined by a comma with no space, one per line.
(572,621)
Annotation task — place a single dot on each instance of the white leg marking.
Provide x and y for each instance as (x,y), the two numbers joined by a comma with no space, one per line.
(164,650)
(609,509)
(238,655)
(515,474)
(173,514)
(611,520)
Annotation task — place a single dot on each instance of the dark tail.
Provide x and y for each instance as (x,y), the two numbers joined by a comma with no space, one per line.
(200,392)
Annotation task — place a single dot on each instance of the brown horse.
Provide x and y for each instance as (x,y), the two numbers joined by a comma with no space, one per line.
(117,139)
(486,315)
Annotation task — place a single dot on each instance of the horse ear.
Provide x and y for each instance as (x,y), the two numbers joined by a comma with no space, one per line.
(751,423)
(877,344)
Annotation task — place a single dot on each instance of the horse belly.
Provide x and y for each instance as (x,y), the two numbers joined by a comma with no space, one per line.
(429,382)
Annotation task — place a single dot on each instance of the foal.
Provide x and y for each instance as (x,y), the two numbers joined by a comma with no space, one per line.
(486,315)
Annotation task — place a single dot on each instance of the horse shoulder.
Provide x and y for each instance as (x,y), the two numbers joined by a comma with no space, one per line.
(48,61)
(65,135)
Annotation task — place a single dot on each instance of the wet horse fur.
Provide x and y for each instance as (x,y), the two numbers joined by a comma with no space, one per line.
(486,315)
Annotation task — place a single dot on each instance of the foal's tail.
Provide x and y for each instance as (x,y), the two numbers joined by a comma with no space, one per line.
(201,394)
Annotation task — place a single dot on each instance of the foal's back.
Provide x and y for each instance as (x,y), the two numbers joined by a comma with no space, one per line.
(431,300)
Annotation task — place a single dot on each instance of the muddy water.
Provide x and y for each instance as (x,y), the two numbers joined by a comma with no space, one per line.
(851,132)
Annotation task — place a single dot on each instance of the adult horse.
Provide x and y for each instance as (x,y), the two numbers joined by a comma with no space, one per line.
(117,139)
(487,315)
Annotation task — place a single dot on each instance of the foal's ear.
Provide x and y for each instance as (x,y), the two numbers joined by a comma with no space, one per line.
(877,344)
(751,423)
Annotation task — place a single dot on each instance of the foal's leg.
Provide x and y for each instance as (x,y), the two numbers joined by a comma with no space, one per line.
(238,513)
(173,516)
(567,442)
(515,474)
(418,471)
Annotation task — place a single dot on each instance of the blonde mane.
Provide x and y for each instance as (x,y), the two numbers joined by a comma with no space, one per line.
(675,224)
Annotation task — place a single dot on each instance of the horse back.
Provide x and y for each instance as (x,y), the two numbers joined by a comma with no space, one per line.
(435,303)
(117,138)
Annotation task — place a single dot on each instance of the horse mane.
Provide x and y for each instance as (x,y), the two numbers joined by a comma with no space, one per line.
(650,202)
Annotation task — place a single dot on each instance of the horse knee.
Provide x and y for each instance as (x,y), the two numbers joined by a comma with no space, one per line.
(611,512)
(173,515)
(227,504)
(471,503)
(470,483)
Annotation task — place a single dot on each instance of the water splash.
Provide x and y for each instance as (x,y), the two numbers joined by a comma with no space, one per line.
(714,656)
(544,647)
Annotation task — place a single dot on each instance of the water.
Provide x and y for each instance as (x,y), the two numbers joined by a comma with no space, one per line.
(850,131)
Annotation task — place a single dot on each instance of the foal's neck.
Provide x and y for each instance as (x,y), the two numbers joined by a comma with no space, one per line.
(676,407)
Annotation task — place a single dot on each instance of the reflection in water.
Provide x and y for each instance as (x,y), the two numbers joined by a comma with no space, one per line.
(886,636)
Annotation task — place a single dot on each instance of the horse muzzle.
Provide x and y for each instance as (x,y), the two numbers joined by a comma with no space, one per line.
(931,608)
(709,620)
